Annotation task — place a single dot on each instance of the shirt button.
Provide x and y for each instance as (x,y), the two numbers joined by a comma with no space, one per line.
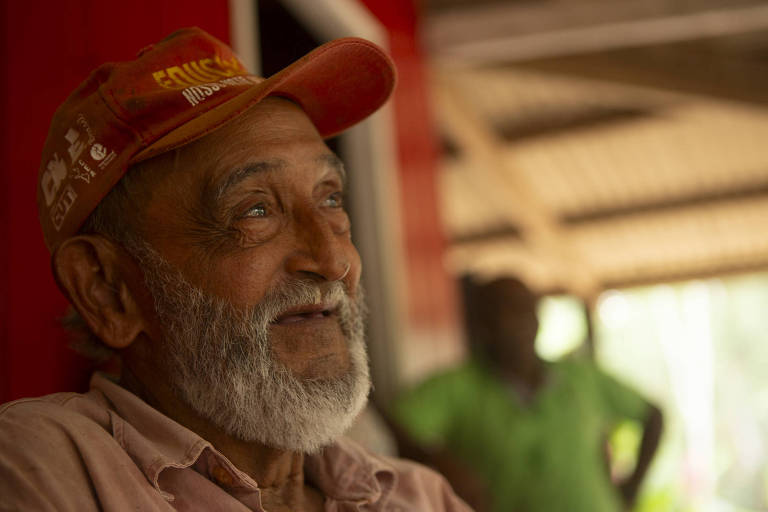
(221,476)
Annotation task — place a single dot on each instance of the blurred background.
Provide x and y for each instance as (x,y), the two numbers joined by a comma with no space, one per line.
(612,154)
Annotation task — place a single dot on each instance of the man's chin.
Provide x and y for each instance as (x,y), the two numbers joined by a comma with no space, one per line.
(283,410)
(303,433)
(311,351)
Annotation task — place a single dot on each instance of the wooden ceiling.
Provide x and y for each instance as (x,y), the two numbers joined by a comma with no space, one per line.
(582,161)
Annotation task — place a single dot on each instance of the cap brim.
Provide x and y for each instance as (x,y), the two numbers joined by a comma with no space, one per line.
(337,85)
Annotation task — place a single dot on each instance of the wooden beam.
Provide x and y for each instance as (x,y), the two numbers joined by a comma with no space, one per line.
(719,271)
(508,192)
(704,199)
(567,120)
(733,69)
(508,232)
(515,33)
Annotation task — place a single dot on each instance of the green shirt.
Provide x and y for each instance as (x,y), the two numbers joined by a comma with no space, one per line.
(547,455)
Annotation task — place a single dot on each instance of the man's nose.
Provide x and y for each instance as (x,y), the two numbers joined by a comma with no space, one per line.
(321,248)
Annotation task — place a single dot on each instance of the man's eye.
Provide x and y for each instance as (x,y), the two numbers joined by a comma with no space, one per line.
(258,210)
(335,200)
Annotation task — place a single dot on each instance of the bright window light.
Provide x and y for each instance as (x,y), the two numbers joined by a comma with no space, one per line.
(562,327)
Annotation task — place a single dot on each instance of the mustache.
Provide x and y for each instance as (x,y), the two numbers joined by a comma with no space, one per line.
(250,327)
(295,294)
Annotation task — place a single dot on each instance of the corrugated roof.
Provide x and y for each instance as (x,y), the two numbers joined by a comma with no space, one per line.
(582,199)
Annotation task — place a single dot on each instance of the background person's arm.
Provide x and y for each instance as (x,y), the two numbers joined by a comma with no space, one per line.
(650,441)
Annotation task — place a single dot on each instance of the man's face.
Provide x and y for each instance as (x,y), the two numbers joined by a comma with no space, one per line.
(253,205)
(257,308)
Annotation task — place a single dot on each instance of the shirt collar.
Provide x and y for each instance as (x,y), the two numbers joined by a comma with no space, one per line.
(154,441)
(343,471)
(346,472)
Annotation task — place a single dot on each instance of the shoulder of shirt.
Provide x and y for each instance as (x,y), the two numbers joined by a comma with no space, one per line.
(58,411)
(45,444)
(53,399)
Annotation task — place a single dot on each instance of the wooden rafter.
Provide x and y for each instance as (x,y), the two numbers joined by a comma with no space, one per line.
(508,192)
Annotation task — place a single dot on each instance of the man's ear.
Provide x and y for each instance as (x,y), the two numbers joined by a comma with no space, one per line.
(100,279)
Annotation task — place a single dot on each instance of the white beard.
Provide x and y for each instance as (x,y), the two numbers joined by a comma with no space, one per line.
(220,362)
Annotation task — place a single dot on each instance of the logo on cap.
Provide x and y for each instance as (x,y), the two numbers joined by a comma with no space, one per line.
(199,93)
(98,152)
(55,172)
(76,146)
(198,72)
(60,210)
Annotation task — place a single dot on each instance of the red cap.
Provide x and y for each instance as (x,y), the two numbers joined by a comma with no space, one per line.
(176,91)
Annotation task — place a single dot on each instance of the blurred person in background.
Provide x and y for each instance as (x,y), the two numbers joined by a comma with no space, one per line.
(525,434)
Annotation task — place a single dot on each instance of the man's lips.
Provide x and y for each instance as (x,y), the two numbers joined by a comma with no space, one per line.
(305,313)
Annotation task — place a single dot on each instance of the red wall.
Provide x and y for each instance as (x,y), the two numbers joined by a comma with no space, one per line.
(432,293)
(49,47)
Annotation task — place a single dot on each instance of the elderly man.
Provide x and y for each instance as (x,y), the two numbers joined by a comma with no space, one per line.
(196,223)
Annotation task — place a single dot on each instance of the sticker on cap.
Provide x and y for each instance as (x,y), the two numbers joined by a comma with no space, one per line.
(102,155)
(63,205)
(76,146)
(55,172)
(76,142)
(98,152)
(82,171)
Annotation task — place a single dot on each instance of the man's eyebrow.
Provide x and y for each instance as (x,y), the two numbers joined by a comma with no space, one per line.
(220,188)
(240,174)
(334,162)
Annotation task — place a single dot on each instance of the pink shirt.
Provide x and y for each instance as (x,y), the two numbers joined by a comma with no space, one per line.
(109,450)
